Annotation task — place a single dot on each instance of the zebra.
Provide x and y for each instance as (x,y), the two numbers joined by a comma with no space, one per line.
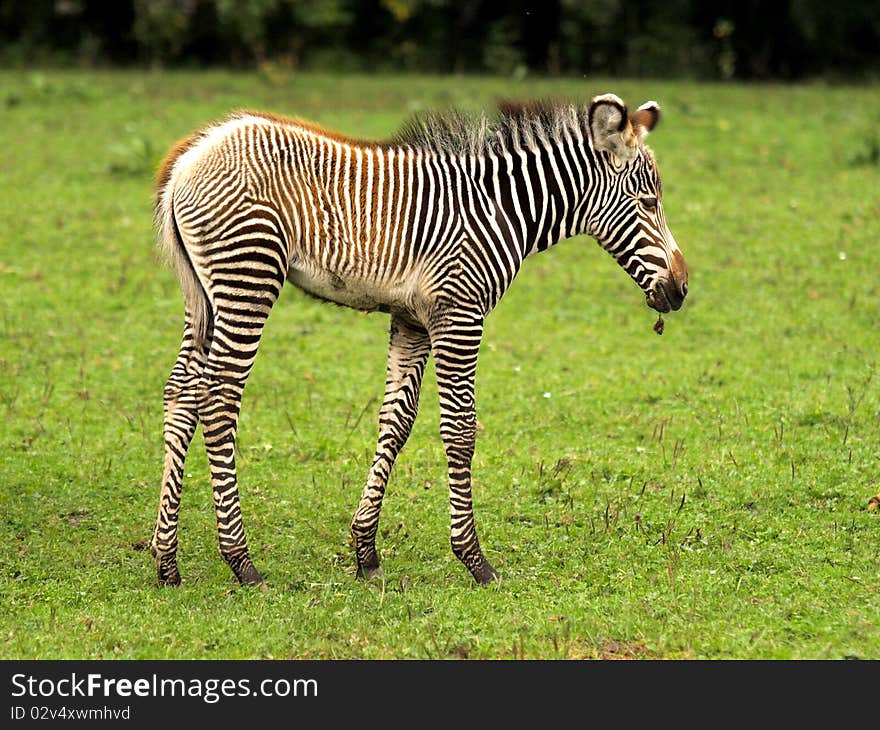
(430,226)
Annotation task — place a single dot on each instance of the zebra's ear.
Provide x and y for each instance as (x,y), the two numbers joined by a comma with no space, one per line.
(645,118)
(611,127)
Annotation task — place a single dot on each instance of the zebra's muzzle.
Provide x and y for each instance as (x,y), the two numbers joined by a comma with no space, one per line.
(666,296)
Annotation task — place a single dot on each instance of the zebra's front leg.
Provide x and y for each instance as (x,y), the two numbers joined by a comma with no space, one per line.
(181,421)
(408,351)
(455,342)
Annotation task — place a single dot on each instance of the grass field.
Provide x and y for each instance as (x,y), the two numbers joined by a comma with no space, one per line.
(697,495)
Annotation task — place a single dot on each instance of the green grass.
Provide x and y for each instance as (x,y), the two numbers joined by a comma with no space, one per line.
(697,495)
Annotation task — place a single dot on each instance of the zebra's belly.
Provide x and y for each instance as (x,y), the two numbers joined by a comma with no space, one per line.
(351,291)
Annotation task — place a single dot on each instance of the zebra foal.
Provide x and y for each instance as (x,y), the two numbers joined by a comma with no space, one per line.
(431,227)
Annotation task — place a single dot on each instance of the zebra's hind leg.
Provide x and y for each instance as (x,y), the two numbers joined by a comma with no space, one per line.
(181,420)
(408,351)
(455,342)
(237,331)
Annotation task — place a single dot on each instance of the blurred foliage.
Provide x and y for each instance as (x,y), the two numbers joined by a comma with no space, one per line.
(744,39)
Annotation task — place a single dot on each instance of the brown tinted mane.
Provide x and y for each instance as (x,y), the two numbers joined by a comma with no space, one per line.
(543,109)
(516,120)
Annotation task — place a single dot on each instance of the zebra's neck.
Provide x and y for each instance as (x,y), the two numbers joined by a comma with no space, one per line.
(543,189)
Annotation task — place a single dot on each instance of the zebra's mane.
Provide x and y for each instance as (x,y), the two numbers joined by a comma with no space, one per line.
(525,124)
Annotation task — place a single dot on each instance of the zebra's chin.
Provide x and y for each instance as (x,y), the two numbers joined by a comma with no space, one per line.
(656,300)
(666,297)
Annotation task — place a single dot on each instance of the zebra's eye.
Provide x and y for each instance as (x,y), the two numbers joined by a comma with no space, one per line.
(649,203)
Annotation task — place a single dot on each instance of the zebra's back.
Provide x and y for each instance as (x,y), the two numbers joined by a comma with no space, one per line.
(356,223)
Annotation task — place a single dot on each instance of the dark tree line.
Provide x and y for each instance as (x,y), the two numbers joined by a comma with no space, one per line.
(743,39)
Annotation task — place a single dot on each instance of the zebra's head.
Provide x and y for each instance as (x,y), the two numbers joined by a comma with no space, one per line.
(627,219)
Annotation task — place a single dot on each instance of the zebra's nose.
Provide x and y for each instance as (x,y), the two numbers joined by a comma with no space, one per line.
(678,279)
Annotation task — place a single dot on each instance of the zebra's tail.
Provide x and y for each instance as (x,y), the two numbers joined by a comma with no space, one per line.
(198,305)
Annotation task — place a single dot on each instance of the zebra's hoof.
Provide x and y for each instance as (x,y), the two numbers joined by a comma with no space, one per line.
(366,572)
(485,574)
(250,576)
(243,569)
(167,572)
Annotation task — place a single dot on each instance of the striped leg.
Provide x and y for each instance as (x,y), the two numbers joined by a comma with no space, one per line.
(229,364)
(233,350)
(455,343)
(181,420)
(407,353)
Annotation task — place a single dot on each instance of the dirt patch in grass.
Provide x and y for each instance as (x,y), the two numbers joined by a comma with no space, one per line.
(613,649)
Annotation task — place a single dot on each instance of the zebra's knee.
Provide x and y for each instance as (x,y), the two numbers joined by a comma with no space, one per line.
(215,388)
(460,449)
(174,387)
(218,403)
(459,431)
(391,442)
(180,388)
